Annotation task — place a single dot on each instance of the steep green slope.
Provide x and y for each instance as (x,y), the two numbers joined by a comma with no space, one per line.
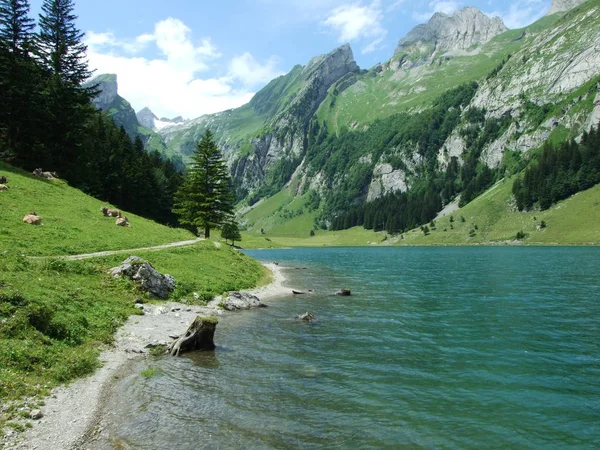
(72,221)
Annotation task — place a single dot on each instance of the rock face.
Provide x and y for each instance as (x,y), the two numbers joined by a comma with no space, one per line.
(386,181)
(458,31)
(564,5)
(146,118)
(241,300)
(146,276)
(108,87)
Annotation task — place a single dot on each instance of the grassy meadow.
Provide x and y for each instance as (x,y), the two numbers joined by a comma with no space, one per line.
(490,219)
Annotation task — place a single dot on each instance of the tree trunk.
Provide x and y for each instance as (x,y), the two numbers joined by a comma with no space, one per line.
(206,231)
(199,336)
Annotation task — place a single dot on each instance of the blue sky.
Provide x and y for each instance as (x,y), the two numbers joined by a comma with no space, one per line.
(192,57)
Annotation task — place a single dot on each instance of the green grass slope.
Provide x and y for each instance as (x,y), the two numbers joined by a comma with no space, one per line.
(72,221)
(490,219)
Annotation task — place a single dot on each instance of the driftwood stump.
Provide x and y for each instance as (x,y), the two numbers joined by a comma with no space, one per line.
(199,336)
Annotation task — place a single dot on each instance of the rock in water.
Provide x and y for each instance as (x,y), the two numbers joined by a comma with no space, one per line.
(344,292)
(146,276)
(307,317)
(199,336)
(241,300)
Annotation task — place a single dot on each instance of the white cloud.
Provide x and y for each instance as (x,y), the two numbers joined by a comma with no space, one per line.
(522,13)
(356,22)
(435,6)
(169,82)
(250,72)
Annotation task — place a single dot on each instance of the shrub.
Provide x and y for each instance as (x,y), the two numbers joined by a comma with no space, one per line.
(520,235)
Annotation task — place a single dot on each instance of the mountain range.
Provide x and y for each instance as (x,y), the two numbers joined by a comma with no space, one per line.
(323,129)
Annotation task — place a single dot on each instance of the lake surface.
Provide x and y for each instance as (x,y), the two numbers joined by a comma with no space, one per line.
(458,348)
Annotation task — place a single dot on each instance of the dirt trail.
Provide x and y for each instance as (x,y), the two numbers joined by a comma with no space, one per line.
(118,252)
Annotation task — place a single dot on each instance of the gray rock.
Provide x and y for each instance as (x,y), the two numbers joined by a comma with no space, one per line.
(36,414)
(241,300)
(458,31)
(146,276)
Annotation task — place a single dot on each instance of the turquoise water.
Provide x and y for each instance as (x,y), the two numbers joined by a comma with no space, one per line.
(459,348)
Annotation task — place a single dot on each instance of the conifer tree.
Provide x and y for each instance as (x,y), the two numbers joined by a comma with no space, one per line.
(63,54)
(19,81)
(205,199)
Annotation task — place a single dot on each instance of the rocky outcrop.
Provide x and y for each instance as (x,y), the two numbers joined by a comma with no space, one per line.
(564,58)
(146,118)
(146,276)
(108,89)
(240,300)
(564,5)
(458,31)
(386,181)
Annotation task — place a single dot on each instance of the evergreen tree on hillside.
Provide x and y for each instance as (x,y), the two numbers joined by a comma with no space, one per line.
(19,82)
(205,199)
(231,231)
(63,55)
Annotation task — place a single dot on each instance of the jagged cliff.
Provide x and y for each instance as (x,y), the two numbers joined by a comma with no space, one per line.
(275,121)
(460,31)
(123,114)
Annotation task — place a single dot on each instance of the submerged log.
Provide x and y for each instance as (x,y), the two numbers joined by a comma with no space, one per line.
(199,336)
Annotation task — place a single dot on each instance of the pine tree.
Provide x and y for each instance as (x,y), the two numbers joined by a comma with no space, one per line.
(19,82)
(205,199)
(61,47)
(63,54)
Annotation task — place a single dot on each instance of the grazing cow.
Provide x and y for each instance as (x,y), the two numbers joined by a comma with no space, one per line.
(110,212)
(3,187)
(32,218)
(3,180)
(48,175)
(122,222)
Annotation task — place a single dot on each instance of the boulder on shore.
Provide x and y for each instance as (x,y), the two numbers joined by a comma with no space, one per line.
(241,300)
(199,336)
(146,276)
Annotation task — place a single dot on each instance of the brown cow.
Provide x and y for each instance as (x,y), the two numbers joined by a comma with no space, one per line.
(122,222)
(110,212)
(32,218)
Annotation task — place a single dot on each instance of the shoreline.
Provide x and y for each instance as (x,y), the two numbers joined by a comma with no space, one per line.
(72,413)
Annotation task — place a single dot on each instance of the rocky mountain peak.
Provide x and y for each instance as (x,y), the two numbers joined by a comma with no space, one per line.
(108,87)
(146,118)
(564,5)
(341,58)
(457,31)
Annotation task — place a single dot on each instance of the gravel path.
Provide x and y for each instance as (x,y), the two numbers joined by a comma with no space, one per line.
(118,252)
(72,413)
